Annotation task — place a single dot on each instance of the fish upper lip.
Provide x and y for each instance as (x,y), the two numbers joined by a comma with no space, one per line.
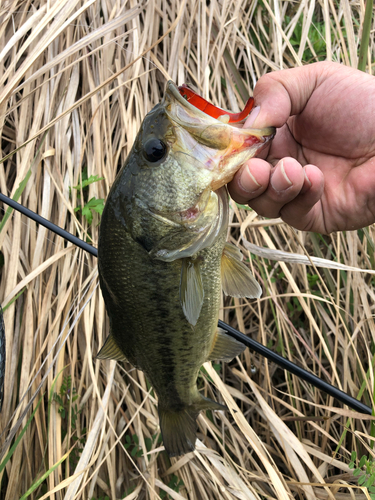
(173,89)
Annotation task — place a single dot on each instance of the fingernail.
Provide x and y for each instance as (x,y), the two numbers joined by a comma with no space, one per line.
(247,181)
(279,180)
(307,179)
(252,116)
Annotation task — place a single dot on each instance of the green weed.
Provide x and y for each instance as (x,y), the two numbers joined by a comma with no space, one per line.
(313,279)
(175,484)
(132,443)
(316,37)
(69,412)
(94,204)
(365,471)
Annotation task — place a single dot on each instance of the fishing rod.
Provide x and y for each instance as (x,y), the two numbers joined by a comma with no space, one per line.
(284,363)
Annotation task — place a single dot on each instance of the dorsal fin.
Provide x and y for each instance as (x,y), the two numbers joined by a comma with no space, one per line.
(236,278)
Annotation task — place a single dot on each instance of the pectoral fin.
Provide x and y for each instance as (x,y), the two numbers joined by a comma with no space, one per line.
(236,278)
(225,348)
(180,244)
(191,289)
(110,350)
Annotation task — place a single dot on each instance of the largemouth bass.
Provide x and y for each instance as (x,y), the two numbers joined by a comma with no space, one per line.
(163,256)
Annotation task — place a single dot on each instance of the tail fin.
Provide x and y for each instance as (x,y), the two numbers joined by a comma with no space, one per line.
(179,427)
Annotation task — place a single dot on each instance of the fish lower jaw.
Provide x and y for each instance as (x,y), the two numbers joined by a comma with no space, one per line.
(225,175)
(233,159)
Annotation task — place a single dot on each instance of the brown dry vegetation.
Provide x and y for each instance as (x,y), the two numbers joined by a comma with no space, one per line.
(76,79)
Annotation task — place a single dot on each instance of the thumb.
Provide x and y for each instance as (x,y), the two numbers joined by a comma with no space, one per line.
(285,93)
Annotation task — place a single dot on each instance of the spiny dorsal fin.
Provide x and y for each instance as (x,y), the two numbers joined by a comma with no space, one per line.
(110,350)
(225,348)
(236,278)
(191,289)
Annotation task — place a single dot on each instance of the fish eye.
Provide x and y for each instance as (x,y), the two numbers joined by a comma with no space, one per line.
(154,150)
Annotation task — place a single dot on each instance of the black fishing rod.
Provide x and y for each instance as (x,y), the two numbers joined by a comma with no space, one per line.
(250,343)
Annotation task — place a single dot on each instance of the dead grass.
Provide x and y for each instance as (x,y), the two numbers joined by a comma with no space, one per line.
(76,80)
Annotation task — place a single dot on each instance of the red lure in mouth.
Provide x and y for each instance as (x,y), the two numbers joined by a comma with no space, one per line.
(211,110)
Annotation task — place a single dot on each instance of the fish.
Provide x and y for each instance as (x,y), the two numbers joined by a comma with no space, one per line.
(163,258)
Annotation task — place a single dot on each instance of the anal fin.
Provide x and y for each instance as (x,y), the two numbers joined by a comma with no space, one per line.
(111,350)
(236,278)
(225,348)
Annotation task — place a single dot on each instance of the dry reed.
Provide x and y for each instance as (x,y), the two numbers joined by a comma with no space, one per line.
(76,79)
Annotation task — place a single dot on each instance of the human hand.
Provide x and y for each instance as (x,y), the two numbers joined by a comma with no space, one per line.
(319,173)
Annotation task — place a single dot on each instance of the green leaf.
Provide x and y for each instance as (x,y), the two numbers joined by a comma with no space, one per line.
(87,182)
(362,480)
(312,279)
(362,461)
(133,452)
(14,299)
(366,29)
(135,439)
(175,483)
(87,210)
(351,465)
(94,205)
(368,482)
(216,367)
(244,207)
(357,472)
(35,485)
(148,443)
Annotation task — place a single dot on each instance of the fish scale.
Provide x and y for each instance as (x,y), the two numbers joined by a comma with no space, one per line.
(163,257)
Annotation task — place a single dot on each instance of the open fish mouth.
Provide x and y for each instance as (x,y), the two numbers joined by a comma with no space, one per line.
(210,135)
(202,108)
(193,101)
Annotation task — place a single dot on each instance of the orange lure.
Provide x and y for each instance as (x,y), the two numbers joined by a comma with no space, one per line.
(211,110)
